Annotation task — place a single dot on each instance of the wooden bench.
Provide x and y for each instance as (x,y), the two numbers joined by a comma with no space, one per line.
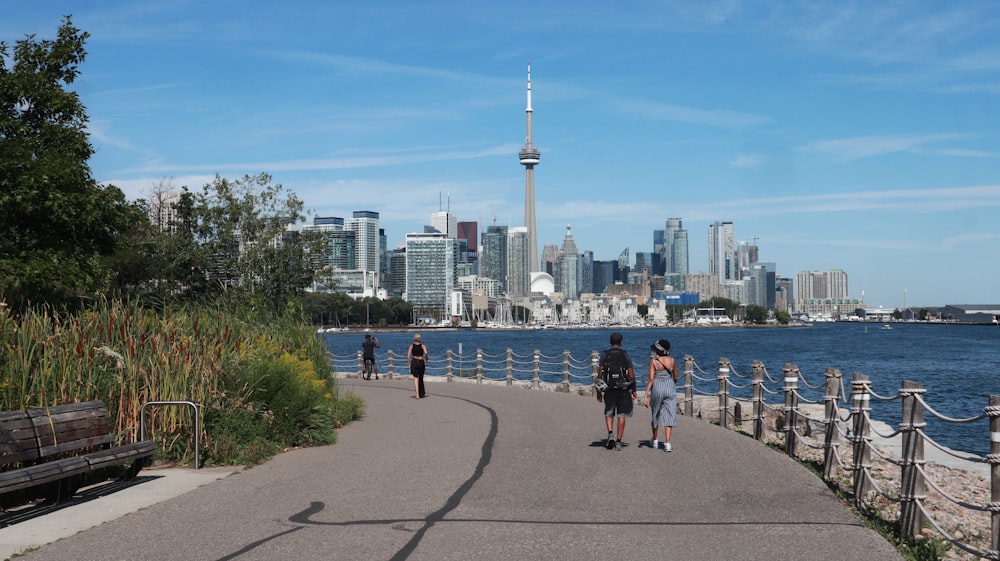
(58,447)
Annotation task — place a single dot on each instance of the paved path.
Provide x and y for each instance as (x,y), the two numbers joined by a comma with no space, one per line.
(490,472)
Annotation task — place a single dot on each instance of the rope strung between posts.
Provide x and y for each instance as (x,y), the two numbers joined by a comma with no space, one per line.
(991,507)
(969,458)
(992,554)
(930,410)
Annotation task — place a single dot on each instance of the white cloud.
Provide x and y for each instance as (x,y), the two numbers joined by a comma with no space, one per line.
(747,161)
(848,149)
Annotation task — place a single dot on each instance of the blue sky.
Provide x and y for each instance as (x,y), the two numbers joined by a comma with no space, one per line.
(860,136)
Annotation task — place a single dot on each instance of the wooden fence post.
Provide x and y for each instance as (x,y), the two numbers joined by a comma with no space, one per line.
(595,366)
(479,365)
(723,377)
(566,359)
(912,489)
(536,370)
(689,385)
(831,403)
(389,356)
(510,367)
(993,411)
(361,365)
(791,408)
(757,369)
(860,408)
(448,365)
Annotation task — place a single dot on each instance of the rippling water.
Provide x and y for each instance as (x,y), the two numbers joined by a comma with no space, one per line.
(958,364)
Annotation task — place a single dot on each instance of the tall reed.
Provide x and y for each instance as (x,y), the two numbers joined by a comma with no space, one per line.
(127,355)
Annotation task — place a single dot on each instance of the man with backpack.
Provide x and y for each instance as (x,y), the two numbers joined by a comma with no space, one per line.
(616,388)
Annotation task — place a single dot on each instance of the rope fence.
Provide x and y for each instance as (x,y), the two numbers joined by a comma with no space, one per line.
(813,420)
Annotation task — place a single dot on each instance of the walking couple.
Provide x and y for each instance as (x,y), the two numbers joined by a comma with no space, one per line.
(616,388)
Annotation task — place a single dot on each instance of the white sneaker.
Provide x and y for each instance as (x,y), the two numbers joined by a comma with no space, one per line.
(654,444)
(668,447)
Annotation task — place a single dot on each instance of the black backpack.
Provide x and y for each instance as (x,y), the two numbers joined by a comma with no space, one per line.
(615,370)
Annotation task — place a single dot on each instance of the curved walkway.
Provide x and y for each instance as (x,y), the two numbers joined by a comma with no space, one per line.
(490,472)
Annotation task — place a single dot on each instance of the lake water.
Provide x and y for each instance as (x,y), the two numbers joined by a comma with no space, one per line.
(958,364)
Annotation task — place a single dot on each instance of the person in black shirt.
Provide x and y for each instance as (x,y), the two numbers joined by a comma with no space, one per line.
(368,355)
(617,402)
(416,359)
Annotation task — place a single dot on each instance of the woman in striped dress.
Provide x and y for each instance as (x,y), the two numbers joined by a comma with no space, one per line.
(661,393)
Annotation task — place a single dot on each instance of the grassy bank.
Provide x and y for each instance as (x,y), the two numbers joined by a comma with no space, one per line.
(263,382)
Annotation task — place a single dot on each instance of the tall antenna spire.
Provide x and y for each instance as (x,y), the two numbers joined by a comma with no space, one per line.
(529,156)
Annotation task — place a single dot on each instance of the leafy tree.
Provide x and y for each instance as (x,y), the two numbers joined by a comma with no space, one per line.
(56,221)
(240,244)
(756,314)
(642,310)
(783,317)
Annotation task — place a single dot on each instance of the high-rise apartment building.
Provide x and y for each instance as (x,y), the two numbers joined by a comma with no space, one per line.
(430,272)
(722,251)
(819,285)
(365,225)
(493,258)
(518,261)
(674,251)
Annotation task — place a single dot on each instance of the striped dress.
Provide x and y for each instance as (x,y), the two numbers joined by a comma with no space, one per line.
(663,399)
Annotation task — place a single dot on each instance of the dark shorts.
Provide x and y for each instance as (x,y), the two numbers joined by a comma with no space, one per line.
(618,403)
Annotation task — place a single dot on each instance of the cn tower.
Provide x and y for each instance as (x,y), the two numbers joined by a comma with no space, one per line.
(529,158)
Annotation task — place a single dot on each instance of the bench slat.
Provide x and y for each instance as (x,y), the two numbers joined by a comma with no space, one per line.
(40,474)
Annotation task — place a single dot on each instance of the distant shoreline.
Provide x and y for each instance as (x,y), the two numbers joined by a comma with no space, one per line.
(449,328)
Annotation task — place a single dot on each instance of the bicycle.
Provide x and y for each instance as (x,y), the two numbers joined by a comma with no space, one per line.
(370,369)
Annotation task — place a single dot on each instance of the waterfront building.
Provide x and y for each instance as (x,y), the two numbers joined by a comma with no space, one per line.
(722,251)
(819,285)
(430,273)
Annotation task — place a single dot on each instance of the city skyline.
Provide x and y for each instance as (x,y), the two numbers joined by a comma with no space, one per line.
(836,135)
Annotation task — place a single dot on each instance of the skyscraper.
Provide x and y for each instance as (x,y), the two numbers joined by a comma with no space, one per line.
(529,156)
(518,267)
(365,225)
(675,247)
(722,251)
(445,222)
(568,275)
(493,262)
